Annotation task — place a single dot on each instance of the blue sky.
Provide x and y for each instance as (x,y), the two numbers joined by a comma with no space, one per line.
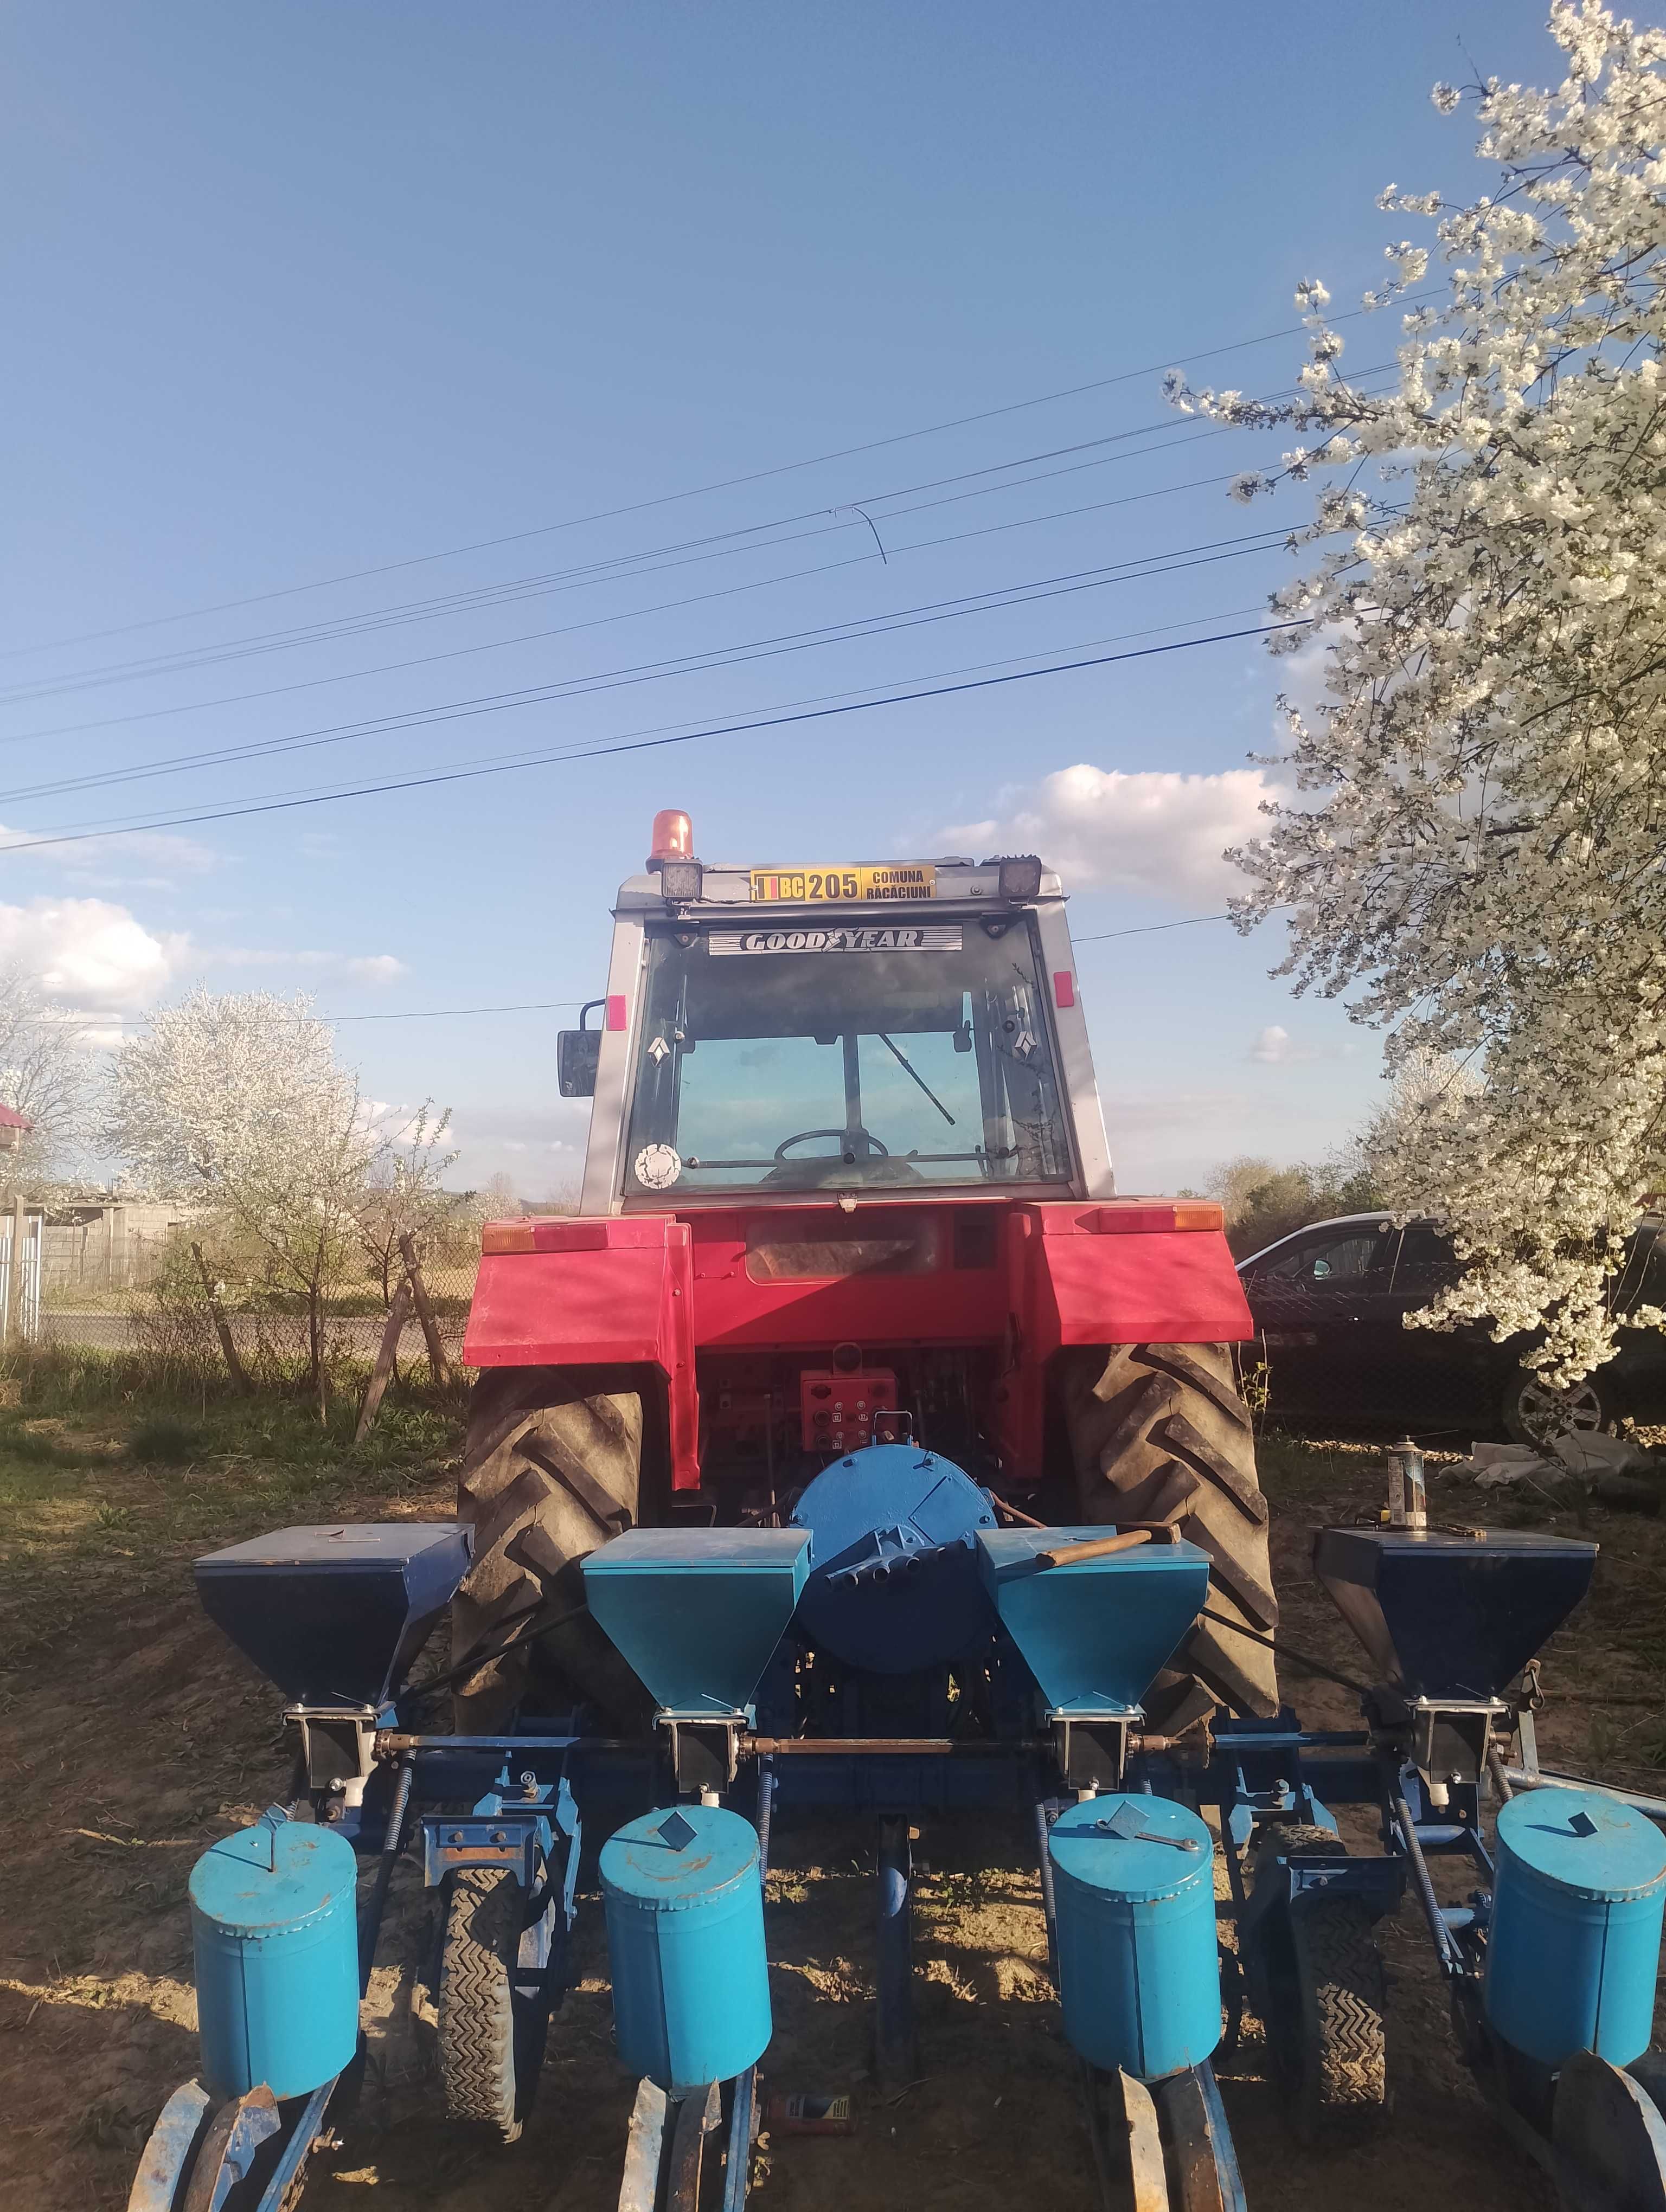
(300,292)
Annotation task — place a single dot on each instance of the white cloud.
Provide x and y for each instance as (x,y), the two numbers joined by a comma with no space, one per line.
(1273,1047)
(1151,830)
(87,952)
(366,968)
(90,859)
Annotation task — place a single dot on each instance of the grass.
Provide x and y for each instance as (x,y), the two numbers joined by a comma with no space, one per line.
(164,1440)
(110,1484)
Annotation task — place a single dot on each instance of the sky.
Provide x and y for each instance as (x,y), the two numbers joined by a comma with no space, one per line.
(396,391)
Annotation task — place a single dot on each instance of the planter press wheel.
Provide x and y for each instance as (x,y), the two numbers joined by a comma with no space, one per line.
(492,2030)
(1326,1996)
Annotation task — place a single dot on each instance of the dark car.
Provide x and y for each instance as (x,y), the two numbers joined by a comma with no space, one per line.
(1329,1303)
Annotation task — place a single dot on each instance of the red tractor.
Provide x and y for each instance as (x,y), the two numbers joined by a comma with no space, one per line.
(847,1183)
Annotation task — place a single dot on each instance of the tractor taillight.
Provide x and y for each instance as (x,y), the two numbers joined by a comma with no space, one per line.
(673,837)
(1140,1219)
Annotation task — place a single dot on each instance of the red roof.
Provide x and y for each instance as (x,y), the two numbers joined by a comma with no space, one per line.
(9,1120)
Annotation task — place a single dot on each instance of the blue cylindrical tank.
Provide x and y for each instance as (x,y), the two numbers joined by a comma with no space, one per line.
(1139,1970)
(1575,1935)
(275,1931)
(685,1899)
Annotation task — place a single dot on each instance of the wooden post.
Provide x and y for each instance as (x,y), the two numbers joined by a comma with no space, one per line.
(398,1313)
(436,1351)
(235,1366)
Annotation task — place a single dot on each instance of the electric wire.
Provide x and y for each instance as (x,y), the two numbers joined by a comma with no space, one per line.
(992,601)
(535,637)
(698,491)
(77,834)
(355,625)
(858,691)
(361,624)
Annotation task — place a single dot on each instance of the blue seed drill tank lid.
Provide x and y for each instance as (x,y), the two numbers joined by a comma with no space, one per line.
(709,1851)
(1586,1845)
(277,1874)
(1107,1843)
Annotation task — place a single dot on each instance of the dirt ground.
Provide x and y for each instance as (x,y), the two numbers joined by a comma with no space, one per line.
(131,1735)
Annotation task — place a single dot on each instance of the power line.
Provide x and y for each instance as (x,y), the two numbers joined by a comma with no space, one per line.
(680,665)
(566,629)
(684,724)
(1147,928)
(647,562)
(338,628)
(562,1005)
(698,491)
(414,1014)
(279,805)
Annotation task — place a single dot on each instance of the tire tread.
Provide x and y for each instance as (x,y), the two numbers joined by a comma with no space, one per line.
(476,2005)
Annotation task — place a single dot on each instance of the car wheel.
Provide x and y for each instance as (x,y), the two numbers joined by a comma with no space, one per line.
(1538,1413)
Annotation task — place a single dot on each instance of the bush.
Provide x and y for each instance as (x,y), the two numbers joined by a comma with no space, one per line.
(1264,1203)
(160,1440)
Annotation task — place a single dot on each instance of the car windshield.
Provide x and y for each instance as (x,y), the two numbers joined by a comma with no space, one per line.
(844,1055)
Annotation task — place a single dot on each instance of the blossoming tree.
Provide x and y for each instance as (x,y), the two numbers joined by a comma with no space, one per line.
(1477,852)
(240,1097)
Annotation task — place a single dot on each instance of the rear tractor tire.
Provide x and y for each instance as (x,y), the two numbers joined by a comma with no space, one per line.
(1326,1998)
(552,1468)
(1159,1432)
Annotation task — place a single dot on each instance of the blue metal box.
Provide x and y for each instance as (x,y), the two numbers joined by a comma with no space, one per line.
(1575,1939)
(684,1898)
(1095,1633)
(1139,1970)
(1446,1614)
(274,1932)
(335,1613)
(698,1612)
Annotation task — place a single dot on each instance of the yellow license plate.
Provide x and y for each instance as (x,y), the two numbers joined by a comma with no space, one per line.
(910,879)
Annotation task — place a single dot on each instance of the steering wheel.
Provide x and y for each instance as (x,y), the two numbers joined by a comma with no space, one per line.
(805,1136)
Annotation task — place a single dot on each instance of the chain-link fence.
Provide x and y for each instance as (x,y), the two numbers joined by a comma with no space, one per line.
(155,1301)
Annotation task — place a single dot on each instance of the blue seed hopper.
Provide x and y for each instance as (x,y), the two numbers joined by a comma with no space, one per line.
(893,1648)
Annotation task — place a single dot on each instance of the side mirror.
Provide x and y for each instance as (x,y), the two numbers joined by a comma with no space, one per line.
(577,1053)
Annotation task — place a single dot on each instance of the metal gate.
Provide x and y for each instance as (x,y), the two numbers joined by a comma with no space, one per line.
(29,1308)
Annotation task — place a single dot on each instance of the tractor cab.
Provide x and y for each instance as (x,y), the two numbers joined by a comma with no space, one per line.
(898,1030)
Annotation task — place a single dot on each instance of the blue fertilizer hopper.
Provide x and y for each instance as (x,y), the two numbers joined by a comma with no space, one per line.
(1452,1612)
(697,1612)
(1092,1632)
(335,1614)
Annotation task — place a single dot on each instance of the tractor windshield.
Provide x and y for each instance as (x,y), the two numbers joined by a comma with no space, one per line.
(844,1055)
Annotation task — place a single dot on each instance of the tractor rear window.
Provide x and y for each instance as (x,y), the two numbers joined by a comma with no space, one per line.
(835,1058)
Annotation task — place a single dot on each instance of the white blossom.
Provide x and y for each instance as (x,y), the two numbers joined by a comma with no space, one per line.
(1478,856)
(239,1099)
